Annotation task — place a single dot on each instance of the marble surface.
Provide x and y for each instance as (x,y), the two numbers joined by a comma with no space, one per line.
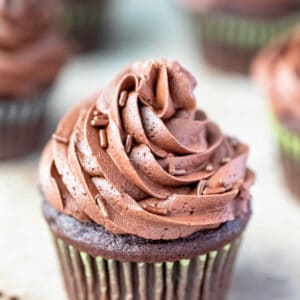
(268,266)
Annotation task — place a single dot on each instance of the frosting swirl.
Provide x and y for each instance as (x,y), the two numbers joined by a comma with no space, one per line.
(32,51)
(277,68)
(140,159)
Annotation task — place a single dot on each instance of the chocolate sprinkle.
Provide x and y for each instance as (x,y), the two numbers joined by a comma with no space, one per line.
(226,160)
(200,187)
(99,121)
(101,205)
(128,143)
(227,186)
(96,112)
(103,138)
(60,139)
(123,99)
(155,210)
(212,191)
(176,172)
(180,172)
(209,168)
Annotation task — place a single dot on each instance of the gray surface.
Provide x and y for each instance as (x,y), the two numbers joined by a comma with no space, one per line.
(269,264)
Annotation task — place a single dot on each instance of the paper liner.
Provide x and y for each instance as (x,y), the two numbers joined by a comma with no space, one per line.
(21,125)
(289,147)
(206,277)
(84,19)
(231,42)
(243,32)
(226,57)
(289,142)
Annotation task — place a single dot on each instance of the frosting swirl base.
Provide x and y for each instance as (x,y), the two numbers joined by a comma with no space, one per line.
(97,241)
(140,159)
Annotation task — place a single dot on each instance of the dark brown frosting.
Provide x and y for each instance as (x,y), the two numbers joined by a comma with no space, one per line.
(277,68)
(140,159)
(32,51)
(246,7)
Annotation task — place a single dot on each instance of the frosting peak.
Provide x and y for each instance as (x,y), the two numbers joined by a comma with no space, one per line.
(140,159)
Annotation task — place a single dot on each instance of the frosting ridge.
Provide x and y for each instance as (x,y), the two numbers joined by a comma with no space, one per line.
(139,158)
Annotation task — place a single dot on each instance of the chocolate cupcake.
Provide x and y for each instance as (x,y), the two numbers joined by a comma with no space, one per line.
(278,70)
(145,197)
(86,21)
(31,55)
(232,31)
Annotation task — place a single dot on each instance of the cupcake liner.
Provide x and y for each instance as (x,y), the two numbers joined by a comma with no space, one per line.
(83,19)
(289,142)
(226,57)
(21,124)
(289,147)
(205,277)
(243,32)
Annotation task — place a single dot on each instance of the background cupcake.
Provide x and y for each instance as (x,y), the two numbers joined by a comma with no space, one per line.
(140,187)
(86,21)
(232,31)
(31,55)
(277,68)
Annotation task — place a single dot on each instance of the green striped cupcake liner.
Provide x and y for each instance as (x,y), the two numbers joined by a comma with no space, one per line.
(84,17)
(243,32)
(205,277)
(289,142)
(289,147)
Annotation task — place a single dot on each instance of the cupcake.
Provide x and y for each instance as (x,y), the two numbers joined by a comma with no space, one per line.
(232,31)
(145,197)
(86,21)
(277,68)
(31,55)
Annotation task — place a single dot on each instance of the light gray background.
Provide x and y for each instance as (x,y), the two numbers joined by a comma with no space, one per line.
(269,265)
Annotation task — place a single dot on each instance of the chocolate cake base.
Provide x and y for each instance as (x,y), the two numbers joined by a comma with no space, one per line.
(226,57)
(97,264)
(97,241)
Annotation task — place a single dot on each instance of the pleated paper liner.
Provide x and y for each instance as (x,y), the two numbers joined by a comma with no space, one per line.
(289,146)
(231,42)
(244,32)
(21,125)
(84,21)
(206,277)
(227,57)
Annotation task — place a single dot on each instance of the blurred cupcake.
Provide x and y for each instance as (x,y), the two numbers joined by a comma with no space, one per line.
(278,70)
(145,197)
(86,21)
(31,55)
(232,31)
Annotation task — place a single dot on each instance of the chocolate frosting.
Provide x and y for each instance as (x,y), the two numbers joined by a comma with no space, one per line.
(277,68)
(32,51)
(248,7)
(140,159)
